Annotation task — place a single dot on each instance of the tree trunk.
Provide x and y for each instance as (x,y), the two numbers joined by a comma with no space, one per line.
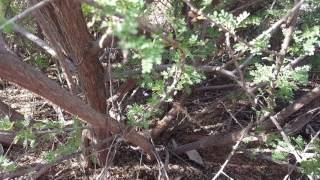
(23,74)
(63,24)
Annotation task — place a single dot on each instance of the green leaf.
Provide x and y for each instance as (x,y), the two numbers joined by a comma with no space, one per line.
(311,167)
(7,165)
(6,124)
(279,156)
(138,116)
(27,137)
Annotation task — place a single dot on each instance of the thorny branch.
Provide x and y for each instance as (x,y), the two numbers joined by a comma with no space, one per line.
(282,115)
(292,16)
(234,149)
(316,136)
(288,32)
(224,29)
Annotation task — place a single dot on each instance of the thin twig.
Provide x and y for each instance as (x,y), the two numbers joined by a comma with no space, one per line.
(25,13)
(108,159)
(216,87)
(286,139)
(231,115)
(280,21)
(288,33)
(225,29)
(41,43)
(296,61)
(234,149)
(163,174)
(304,151)
(311,142)
(242,81)
(140,163)
(247,62)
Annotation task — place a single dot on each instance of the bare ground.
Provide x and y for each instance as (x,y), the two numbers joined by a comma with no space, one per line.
(207,112)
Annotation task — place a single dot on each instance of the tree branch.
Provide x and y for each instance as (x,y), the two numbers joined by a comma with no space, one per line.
(16,71)
(226,139)
(25,13)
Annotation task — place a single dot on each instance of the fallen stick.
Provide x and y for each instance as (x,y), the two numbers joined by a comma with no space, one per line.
(244,132)
(296,124)
(232,137)
(213,140)
(216,87)
(165,122)
(282,116)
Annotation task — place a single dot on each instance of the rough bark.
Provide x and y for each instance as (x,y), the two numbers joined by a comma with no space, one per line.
(16,71)
(64,25)
(6,110)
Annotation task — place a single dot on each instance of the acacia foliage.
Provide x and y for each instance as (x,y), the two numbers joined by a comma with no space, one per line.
(171,47)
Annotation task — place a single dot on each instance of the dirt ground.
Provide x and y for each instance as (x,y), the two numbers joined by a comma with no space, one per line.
(208,112)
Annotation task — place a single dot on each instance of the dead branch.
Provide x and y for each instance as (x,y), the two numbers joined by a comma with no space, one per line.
(216,87)
(286,139)
(282,116)
(234,148)
(213,140)
(229,138)
(288,33)
(165,122)
(39,42)
(67,66)
(299,122)
(304,151)
(277,24)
